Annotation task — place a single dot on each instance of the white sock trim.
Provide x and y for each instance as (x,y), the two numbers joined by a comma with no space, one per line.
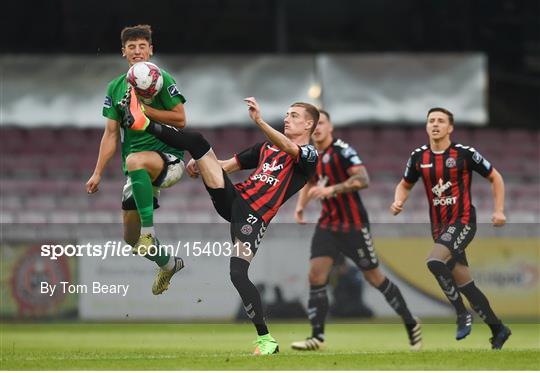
(209,150)
(465,284)
(146,230)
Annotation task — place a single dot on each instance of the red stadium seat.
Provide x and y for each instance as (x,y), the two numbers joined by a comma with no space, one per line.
(44,172)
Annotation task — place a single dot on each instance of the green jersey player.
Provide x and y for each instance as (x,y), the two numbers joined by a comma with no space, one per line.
(148,163)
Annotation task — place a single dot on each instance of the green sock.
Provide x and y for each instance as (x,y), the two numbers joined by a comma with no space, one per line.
(141,185)
(143,194)
(161,258)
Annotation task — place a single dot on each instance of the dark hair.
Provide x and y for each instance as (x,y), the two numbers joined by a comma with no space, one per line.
(443,110)
(136,32)
(311,110)
(325,113)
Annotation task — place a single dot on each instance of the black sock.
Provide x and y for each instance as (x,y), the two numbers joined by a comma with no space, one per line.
(193,142)
(480,305)
(447,284)
(317,310)
(394,298)
(249,293)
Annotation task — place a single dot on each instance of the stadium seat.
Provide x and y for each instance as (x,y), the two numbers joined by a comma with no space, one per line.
(44,172)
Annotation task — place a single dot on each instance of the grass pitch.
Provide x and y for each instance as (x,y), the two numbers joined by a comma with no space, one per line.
(368,346)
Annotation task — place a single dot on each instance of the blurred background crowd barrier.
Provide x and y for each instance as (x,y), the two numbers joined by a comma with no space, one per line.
(381,88)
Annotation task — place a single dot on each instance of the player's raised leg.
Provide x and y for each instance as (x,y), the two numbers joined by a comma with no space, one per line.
(319,269)
(194,142)
(199,148)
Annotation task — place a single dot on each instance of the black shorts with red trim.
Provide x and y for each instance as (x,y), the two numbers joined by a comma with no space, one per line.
(356,245)
(246,224)
(456,237)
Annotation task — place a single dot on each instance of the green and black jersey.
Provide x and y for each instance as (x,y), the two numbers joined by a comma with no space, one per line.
(134,141)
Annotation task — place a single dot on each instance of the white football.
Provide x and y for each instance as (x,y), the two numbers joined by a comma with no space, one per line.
(146,78)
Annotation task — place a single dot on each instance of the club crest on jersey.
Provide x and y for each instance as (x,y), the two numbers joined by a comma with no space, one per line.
(447,237)
(450,162)
(246,229)
(326,158)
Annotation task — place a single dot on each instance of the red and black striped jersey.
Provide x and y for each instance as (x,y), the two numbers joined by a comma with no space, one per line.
(276,178)
(345,211)
(447,178)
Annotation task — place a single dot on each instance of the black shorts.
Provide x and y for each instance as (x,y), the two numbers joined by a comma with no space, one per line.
(456,237)
(357,245)
(246,224)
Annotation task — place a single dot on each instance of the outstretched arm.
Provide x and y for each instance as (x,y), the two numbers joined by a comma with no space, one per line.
(497,187)
(276,137)
(402,193)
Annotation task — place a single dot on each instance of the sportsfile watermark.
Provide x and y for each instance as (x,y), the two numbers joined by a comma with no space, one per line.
(121,249)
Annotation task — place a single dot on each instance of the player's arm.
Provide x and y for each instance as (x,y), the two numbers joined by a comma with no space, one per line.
(173,101)
(497,187)
(400,196)
(276,137)
(107,148)
(303,200)
(175,117)
(358,179)
(410,177)
(483,167)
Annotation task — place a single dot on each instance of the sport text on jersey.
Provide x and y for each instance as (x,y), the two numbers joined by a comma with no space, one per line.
(266,176)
